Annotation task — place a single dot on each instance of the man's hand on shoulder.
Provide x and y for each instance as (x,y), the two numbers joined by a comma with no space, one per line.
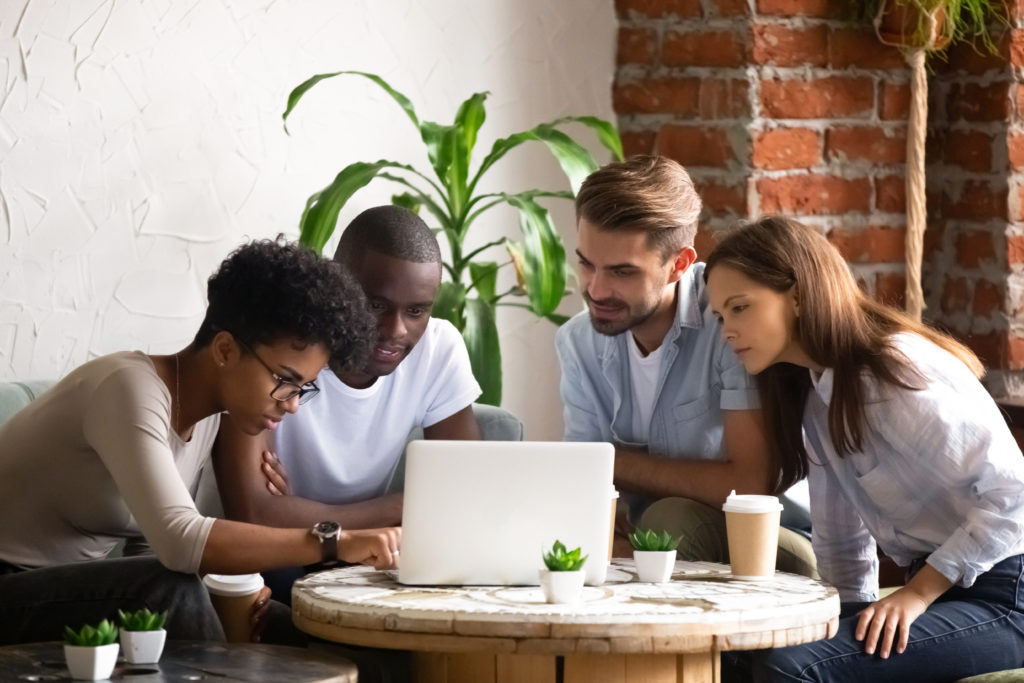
(277,477)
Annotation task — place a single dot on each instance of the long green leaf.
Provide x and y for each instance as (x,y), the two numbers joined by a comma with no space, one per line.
(470,117)
(481,336)
(449,304)
(305,86)
(544,269)
(321,214)
(484,278)
(606,133)
(576,162)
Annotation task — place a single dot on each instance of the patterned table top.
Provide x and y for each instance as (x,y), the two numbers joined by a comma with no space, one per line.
(702,600)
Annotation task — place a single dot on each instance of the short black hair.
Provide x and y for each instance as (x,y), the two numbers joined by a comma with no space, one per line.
(389,230)
(270,290)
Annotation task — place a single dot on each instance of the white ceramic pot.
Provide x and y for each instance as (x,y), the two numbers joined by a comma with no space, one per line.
(143,647)
(562,587)
(91,663)
(654,566)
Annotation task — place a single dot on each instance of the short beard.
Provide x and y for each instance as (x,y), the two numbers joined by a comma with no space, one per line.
(612,329)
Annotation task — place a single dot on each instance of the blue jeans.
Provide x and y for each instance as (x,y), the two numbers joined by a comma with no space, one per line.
(36,605)
(967,631)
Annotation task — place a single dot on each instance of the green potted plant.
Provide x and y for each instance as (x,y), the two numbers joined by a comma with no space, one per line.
(143,635)
(562,580)
(91,652)
(654,554)
(449,192)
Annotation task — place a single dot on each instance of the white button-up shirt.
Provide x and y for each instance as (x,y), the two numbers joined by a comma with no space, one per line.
(939,477)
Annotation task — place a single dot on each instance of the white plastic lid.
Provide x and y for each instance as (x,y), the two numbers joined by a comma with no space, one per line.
(751,503)
(231,585)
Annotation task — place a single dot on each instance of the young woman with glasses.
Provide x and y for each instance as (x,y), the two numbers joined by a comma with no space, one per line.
(114,452)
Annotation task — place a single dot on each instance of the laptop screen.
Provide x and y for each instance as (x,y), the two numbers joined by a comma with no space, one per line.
(483,512)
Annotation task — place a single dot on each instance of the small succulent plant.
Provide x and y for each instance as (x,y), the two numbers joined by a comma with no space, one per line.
(142,620)
(648,539)
(91,636)
(561,560)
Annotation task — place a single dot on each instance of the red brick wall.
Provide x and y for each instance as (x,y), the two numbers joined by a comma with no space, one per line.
(788,106)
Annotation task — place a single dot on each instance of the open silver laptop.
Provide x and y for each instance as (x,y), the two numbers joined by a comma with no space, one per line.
(482,512)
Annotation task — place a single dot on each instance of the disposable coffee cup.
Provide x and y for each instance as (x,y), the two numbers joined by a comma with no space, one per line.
(233,596)
(752,527)
(611,530)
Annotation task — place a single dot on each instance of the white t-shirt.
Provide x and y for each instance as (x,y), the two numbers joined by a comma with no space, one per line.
(344,445)
(643,373)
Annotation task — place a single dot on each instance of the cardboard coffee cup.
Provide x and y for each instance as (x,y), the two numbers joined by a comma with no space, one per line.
(752,527)
(611,531)
(233,596)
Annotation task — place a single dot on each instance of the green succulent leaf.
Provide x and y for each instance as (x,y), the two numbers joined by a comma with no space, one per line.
(650,540)
(559,559)
(481,337)
(142,620)
(103,633)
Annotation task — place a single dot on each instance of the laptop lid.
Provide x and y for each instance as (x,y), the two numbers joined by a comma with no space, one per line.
(483,512)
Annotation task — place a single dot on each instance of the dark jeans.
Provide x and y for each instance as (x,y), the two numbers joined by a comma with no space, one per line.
(36,604)
(967,631)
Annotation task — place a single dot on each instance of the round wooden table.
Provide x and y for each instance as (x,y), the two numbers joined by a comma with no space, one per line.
(623,631)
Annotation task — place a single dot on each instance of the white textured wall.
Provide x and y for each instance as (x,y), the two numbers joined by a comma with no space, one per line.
(140,141)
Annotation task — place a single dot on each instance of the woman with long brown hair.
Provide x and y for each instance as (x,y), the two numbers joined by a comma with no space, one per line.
(902,448)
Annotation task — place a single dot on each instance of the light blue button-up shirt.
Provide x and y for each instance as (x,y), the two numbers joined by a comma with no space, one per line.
(939,477)
(700,377)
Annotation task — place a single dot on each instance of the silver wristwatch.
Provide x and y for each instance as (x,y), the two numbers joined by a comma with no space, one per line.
(327,533)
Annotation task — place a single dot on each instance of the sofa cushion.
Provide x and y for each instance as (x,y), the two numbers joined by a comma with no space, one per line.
(16,395)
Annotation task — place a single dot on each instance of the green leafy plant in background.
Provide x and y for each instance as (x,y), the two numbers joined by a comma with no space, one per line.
(469,295)
(561,560)
(88,636)
(142,620)
(650,540)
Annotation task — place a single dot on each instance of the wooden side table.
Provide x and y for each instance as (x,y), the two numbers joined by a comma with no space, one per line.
(189,661)
(623,632)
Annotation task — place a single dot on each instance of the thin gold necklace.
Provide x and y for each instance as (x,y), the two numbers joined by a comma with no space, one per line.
(177,397)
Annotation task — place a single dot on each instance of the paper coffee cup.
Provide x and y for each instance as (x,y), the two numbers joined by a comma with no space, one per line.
(611,531)
(233,596)
(752,528)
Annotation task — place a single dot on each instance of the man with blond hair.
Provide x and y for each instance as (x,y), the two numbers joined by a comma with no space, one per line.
(646,368)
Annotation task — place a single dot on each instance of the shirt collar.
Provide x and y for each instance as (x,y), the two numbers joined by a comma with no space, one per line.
(823,384)
(691,298)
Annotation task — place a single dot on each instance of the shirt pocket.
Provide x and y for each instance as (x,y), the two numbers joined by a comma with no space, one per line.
(694,429)
(890,501)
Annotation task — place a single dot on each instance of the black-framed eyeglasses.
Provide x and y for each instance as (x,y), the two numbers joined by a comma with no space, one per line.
(285,389)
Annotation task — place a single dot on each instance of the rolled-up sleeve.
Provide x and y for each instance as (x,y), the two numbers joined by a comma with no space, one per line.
(579,410)
(127,425)
(954,440)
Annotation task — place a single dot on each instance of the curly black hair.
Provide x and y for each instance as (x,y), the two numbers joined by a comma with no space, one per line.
(269,290)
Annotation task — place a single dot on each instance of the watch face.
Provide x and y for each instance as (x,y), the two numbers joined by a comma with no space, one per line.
(326,529)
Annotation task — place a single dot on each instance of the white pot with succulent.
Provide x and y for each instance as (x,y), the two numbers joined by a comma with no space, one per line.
(562,580)
(142,635)
(654,555)
(91,653)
